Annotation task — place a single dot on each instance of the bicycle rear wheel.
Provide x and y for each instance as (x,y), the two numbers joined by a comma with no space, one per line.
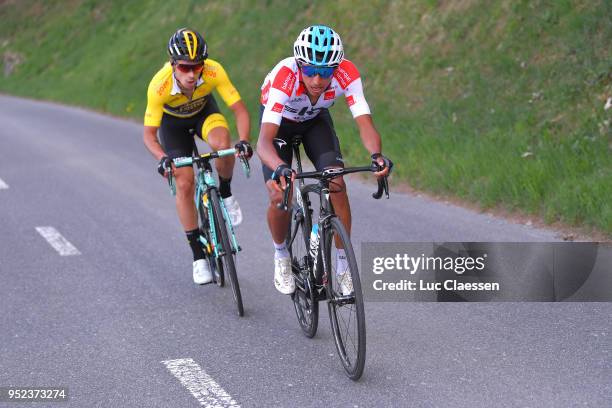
(216,267)
(346,312)
(304,299)
(227,255)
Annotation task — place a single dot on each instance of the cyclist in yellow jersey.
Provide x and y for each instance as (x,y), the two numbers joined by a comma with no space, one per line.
(180,100)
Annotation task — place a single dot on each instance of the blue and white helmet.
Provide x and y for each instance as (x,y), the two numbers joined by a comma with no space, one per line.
(318,45)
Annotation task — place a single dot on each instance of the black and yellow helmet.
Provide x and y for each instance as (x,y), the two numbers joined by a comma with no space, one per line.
(187,45)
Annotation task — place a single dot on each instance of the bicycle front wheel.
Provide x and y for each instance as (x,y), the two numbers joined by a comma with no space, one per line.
(346,310)
(227,255)
(304,300)
(216,267)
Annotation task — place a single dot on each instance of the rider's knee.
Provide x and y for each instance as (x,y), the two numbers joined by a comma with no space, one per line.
(337,187)
(185,186)
(219,139)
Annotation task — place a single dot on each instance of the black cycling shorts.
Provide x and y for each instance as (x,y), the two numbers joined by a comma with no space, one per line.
(318,138)
(175,138)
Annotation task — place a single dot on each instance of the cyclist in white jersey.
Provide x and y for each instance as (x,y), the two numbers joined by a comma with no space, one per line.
(295,99)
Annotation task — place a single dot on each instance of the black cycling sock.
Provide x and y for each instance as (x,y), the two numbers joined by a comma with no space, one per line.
(225,188)
(196,246)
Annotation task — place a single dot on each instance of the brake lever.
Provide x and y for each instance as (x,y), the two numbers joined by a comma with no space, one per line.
(383,183)
(386,186)
(285,204)
(171,183)
(246,167)
(379,192)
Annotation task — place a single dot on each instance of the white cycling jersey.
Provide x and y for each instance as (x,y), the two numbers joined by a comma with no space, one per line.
(283,93)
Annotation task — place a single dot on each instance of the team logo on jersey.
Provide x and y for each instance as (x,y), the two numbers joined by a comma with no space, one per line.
(188,108)
(329,95)
(284,80)
(280,142)
(278,108)
(343,77)
(163,87)
(346,73)
(350,101)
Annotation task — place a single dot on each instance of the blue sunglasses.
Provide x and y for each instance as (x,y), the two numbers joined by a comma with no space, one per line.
(323,72)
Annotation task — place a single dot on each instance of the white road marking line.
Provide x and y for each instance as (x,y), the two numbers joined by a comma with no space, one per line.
(57,241)
(199,383)
(3,185)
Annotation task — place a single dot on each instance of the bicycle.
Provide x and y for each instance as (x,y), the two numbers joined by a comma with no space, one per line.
(312,263)
(217,237)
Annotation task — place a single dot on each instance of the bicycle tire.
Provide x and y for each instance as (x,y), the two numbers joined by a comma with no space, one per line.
(304,302)
(352,353)
(216,267)
(227,258)
(216,264)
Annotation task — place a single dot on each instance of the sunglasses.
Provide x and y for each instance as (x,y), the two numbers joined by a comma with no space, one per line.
(323,72)
(185,68)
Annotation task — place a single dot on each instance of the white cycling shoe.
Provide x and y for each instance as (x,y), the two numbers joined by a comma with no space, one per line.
(201,272)
(233,210)
(283,278)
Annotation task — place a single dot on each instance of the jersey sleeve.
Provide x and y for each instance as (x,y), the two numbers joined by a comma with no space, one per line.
(355,99)
(226,89)
(154,112)
(349,79)
(275,94)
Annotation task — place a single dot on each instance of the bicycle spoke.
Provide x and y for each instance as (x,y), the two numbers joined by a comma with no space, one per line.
(347,335)
(348,326)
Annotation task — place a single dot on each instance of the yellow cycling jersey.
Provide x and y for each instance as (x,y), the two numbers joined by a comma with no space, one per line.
(164,94)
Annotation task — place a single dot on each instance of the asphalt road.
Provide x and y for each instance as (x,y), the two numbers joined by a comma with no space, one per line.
(104,321)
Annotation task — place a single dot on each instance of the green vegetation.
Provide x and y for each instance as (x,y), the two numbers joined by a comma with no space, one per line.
(501,103)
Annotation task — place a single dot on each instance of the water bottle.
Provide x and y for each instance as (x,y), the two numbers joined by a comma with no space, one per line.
(314,241)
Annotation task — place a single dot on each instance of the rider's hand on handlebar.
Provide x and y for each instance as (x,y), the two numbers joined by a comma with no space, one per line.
(280,176)
(244,148)
(164,166)
(384,164)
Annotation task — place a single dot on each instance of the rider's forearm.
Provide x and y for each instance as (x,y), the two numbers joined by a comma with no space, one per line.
(151,143)
(243,121)
(369,135)
(265,147)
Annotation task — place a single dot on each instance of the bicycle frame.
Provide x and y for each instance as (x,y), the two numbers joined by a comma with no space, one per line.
(204,183)
(325,214)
